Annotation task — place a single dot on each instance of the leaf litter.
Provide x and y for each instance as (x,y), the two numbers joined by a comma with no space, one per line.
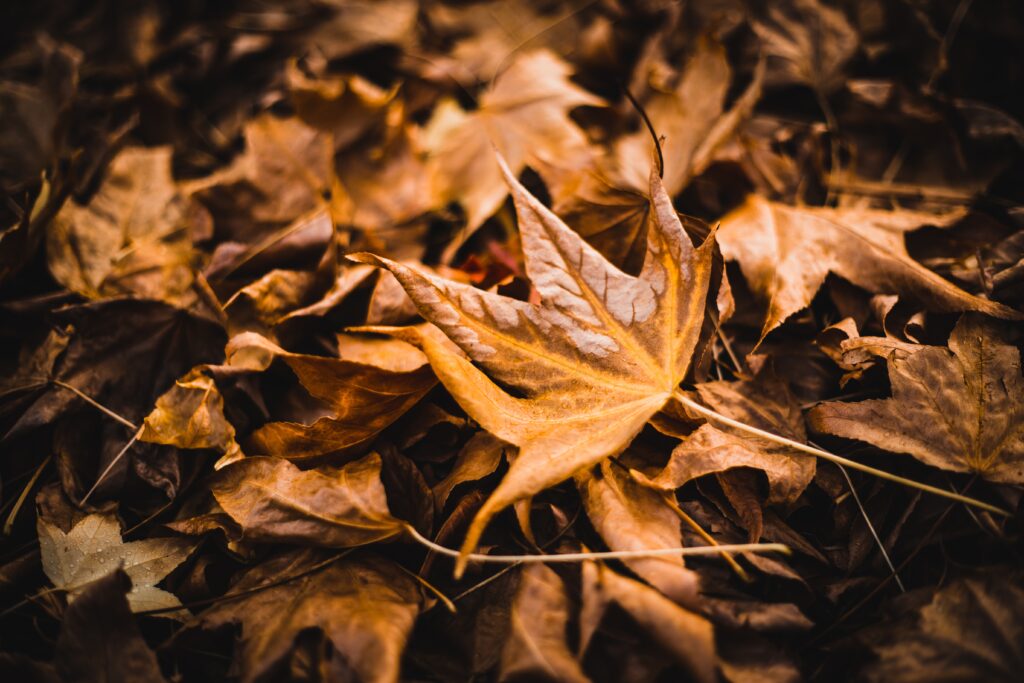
(570,341)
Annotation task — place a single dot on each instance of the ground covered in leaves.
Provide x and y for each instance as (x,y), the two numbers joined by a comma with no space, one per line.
(323,320)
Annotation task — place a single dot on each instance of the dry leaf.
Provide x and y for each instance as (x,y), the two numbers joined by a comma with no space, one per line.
(630,516)
(191,415)
(365,398)
(960,409)
(133,237)
(366,607)
(970,631)
(274,501)
(285,172)
(93,549)
(688,637)
(785,252)
(525,116)
(609,205)
(808,43)
(602,353)
(765,403)
(100,641)
(535,647)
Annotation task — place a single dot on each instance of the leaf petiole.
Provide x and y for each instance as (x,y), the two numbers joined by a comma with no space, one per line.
(832,457)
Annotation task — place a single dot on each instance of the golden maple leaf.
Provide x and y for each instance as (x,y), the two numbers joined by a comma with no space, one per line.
(599,356)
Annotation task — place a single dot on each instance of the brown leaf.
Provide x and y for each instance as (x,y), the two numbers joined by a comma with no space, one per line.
(365,606)
(480,457)
(686,636)
(630,516)
(970,631)
(274,501)
(110,337)
(960,409)
(388,182)
(785,252)
(365,398)
(191,415)
(133,237)
(808,43)
(100,641)
(524,115)
(285,172)
(535,647)
(608,205)
(765,403)
(93,548)
(602,353)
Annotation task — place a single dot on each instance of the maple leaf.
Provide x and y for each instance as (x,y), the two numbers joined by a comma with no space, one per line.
(960,409)
(524,115)
(286,172)
(134,236)
(807,42)
(93,549)
(599,356)
(785,252)
(608,204)
(366,607)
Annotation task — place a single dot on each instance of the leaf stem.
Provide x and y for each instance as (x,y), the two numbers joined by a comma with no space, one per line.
(831,457)
(611,555)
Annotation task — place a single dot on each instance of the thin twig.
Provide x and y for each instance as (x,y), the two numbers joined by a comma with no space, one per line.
(611,555)
(95,404)
(871,528)
(708,538)
(117,459)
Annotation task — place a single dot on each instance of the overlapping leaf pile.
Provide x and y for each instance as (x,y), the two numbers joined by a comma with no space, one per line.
(298,299)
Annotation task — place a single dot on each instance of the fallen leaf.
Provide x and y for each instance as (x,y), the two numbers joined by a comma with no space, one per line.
(365,606)
(630,516)
(93,548)
(110,337)
(274,501)
(807,43)
(285,172)
(687,636)
(765,403)
(525,116)
(970,631)
(536,647)
(480,457)
(191,415)
(133,237)
(608,204)
(364,397)
(357,25)
(785,252)
(960,409)
(99,639)
(602,353)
